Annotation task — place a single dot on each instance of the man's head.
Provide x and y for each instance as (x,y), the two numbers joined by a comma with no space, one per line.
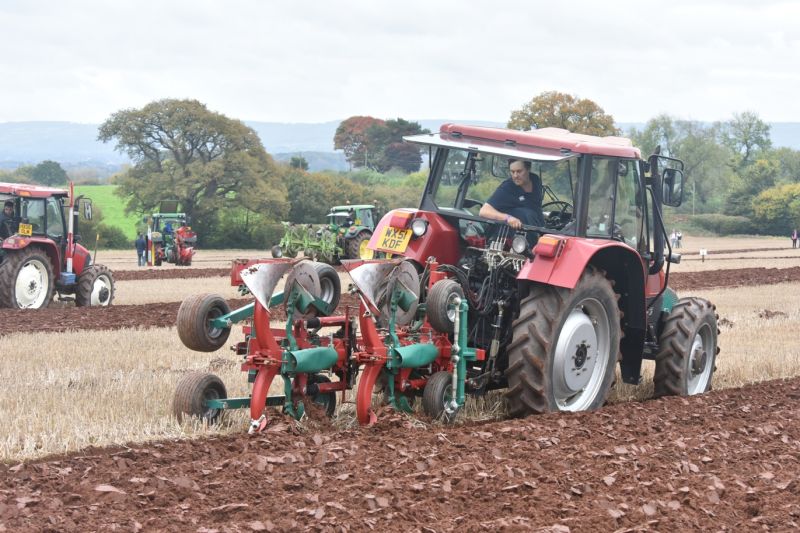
(520,171)
(8,208)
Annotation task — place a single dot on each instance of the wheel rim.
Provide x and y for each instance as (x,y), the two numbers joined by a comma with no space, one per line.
(327,290)
(210,413)
(581,356)
(452,308)
(211,331)
(101,291)
(32,284)
(700,363)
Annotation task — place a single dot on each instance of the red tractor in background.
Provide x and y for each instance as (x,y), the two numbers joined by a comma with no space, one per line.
(170,238)
(40,255)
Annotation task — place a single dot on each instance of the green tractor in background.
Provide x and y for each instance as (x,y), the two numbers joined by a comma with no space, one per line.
(345,236)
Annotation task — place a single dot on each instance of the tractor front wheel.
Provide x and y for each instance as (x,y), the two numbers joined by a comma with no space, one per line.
(356,248)
(564,347)
(194,326)
(26,279)
(688,349)
(193,392)
(95,287)
(276,251)
(437,397)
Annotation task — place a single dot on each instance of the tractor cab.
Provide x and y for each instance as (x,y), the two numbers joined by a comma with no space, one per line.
(345,216)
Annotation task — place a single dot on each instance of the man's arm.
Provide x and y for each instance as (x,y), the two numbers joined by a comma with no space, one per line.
(487,211)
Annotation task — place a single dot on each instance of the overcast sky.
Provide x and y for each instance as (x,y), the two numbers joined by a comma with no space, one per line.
(310,61)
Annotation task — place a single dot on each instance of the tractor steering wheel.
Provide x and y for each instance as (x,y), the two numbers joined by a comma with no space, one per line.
(562,215)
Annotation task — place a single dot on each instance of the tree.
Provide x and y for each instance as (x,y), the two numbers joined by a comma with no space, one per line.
(747,136)
(777,209)
(560,110)
(351,137)
(299,162)
(754,179)
(204,159)
(49,173)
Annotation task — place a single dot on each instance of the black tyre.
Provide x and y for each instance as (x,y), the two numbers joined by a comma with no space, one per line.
(276,251)
(330,286)
(356,248)
(688,349)
(437,395)
(26,279)
(327,400)
(440,306)
(564,347)
(194,328)
(192,393)
(95,287)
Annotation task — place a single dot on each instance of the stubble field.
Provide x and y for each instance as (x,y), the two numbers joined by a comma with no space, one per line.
(724,460)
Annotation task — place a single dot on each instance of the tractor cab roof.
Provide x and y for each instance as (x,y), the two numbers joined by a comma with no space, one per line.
(31,191)
(545,144)
(345,208)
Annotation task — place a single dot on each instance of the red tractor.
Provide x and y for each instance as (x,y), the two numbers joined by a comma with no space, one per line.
(475,299)
(41,256)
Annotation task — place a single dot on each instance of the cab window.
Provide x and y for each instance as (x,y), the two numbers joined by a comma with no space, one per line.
(33,213)
(55,224)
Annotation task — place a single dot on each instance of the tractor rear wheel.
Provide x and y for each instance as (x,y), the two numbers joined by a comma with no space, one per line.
(26,279)
(437,395)
(330,285)
(564,347)
(194,327)
(688,349)
(440,306)
(95,287)
(356,248)
(192,393)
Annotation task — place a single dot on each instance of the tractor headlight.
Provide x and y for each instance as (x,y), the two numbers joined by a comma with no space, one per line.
(519,244)
(419,227)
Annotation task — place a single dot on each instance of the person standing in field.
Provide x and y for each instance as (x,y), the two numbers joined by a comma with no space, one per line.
(794,238)
(141,250)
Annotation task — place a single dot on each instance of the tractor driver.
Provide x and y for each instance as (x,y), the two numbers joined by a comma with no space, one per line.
(9,224)
(518,200)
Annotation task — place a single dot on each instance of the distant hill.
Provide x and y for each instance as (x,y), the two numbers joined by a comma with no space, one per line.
(75,145)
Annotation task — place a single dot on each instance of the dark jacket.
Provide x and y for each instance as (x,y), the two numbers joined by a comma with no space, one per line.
(141,245)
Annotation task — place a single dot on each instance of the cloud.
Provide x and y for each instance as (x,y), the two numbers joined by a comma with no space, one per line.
(318,61)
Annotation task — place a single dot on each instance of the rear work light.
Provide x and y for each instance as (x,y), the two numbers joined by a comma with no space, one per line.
(547,246)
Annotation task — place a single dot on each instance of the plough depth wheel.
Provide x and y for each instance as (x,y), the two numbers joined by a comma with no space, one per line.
(194,327)
(192,393)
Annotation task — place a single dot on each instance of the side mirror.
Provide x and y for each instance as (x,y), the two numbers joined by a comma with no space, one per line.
(672,179)
(87,208)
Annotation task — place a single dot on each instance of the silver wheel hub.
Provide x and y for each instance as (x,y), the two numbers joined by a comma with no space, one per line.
(700,366)
(581,356)
(101,291)
(32,285)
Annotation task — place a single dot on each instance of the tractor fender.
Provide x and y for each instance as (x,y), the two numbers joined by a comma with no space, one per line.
(439,241)
(627,272)
(81,259)
(17,242)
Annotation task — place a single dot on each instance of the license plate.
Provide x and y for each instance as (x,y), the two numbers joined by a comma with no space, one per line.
(394,240)
(25,229)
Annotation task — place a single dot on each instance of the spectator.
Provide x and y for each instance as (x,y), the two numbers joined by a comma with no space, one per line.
(794,238)
(673,238)
(141,250)
(678,237)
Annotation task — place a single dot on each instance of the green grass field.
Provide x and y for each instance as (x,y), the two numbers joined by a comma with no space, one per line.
(112,206)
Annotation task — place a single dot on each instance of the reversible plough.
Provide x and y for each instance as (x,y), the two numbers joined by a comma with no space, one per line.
(385,343)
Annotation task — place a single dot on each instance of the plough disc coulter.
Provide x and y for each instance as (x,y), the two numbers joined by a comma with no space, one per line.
(384,344)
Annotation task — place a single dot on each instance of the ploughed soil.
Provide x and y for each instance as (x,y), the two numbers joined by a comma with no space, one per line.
(164,314)
(155,315)
(727,461)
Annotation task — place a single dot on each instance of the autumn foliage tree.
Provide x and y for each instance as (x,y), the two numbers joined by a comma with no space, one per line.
(209,162)
(378,144)
(560,110)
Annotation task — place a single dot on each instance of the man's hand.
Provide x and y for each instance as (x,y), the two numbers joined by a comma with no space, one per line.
(514,222)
